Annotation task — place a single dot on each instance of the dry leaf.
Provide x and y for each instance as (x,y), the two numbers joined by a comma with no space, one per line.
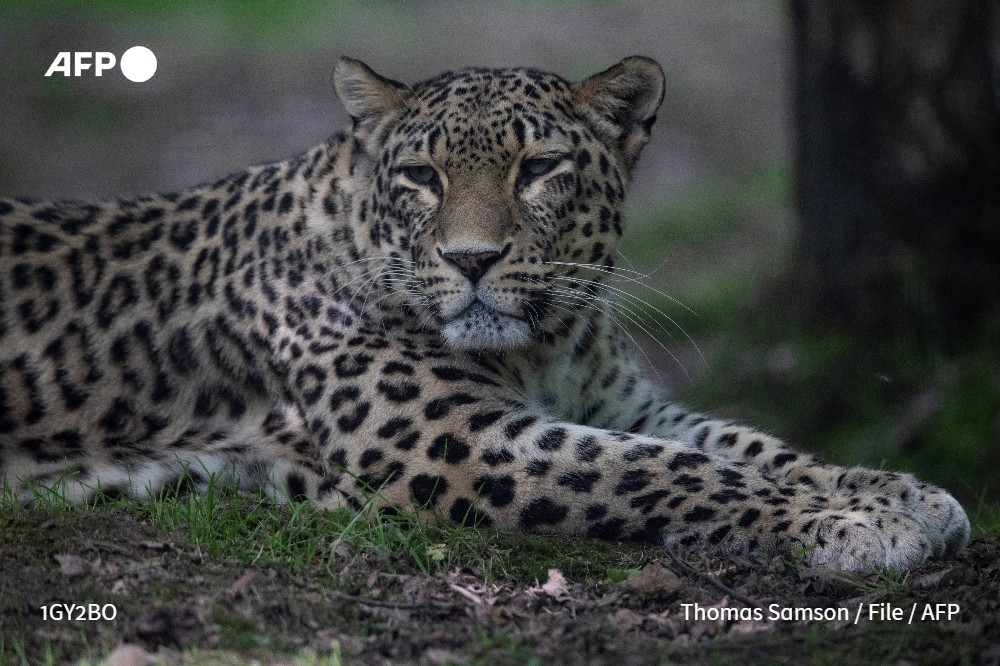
(468,594)
(749,627)
(653,578)
(932,579)
(441,656)
(128,654)
(555,586)
(71,565)
(626,619)
(239,588)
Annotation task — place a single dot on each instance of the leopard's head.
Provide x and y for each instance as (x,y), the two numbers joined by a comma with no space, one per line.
(489,200)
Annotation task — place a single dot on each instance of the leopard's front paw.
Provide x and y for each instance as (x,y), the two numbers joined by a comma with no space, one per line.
(945,518)
(947,525)
(868,538)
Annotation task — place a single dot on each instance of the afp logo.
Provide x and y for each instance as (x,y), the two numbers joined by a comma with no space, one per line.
(138,63)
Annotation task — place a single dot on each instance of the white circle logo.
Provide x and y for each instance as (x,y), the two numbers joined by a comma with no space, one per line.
(138,64)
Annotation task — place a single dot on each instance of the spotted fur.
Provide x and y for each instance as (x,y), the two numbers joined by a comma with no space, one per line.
(418,306)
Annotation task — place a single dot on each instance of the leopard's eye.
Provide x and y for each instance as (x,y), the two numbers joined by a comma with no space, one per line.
(420,174)
(538,166)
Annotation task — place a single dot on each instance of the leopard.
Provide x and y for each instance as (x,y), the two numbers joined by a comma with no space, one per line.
(416,315)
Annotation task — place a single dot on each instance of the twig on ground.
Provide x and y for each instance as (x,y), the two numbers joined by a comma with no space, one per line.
(715,582)
(396,605)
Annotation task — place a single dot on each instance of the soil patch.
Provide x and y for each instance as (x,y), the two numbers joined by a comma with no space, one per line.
(170,600)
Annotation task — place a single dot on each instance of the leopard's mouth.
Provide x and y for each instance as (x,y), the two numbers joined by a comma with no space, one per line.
(481,327)
(478,308)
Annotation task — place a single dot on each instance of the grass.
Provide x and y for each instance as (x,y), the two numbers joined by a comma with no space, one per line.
(224,657)
(224,524)
(985,517)
(19,653)
(503,646)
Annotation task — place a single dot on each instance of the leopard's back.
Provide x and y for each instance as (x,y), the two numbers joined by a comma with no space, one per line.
(121,359)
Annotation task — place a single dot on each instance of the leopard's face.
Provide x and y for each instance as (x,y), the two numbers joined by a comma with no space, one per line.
(482,195)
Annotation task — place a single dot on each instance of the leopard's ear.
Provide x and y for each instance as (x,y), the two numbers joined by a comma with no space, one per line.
(622,102)
(367,96)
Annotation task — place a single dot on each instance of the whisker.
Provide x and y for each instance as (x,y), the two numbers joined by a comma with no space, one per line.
(643,314)
(650,273)
(618,312)
(633,297)
(614,319)
(617,272)
(624,294)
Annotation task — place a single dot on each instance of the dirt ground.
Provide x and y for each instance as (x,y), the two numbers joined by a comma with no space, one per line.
(164,596)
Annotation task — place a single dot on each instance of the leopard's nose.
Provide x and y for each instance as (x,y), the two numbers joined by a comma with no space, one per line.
(473,264)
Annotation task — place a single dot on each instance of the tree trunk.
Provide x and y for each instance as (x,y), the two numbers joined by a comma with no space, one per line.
(898,163)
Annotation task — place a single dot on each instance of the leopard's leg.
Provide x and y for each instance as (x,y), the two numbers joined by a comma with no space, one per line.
(459,446)
(532,473)
(946,522)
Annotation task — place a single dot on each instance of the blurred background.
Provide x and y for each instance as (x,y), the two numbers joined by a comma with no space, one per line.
(816,215)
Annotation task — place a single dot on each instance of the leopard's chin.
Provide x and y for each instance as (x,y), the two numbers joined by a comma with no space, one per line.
(481,328)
